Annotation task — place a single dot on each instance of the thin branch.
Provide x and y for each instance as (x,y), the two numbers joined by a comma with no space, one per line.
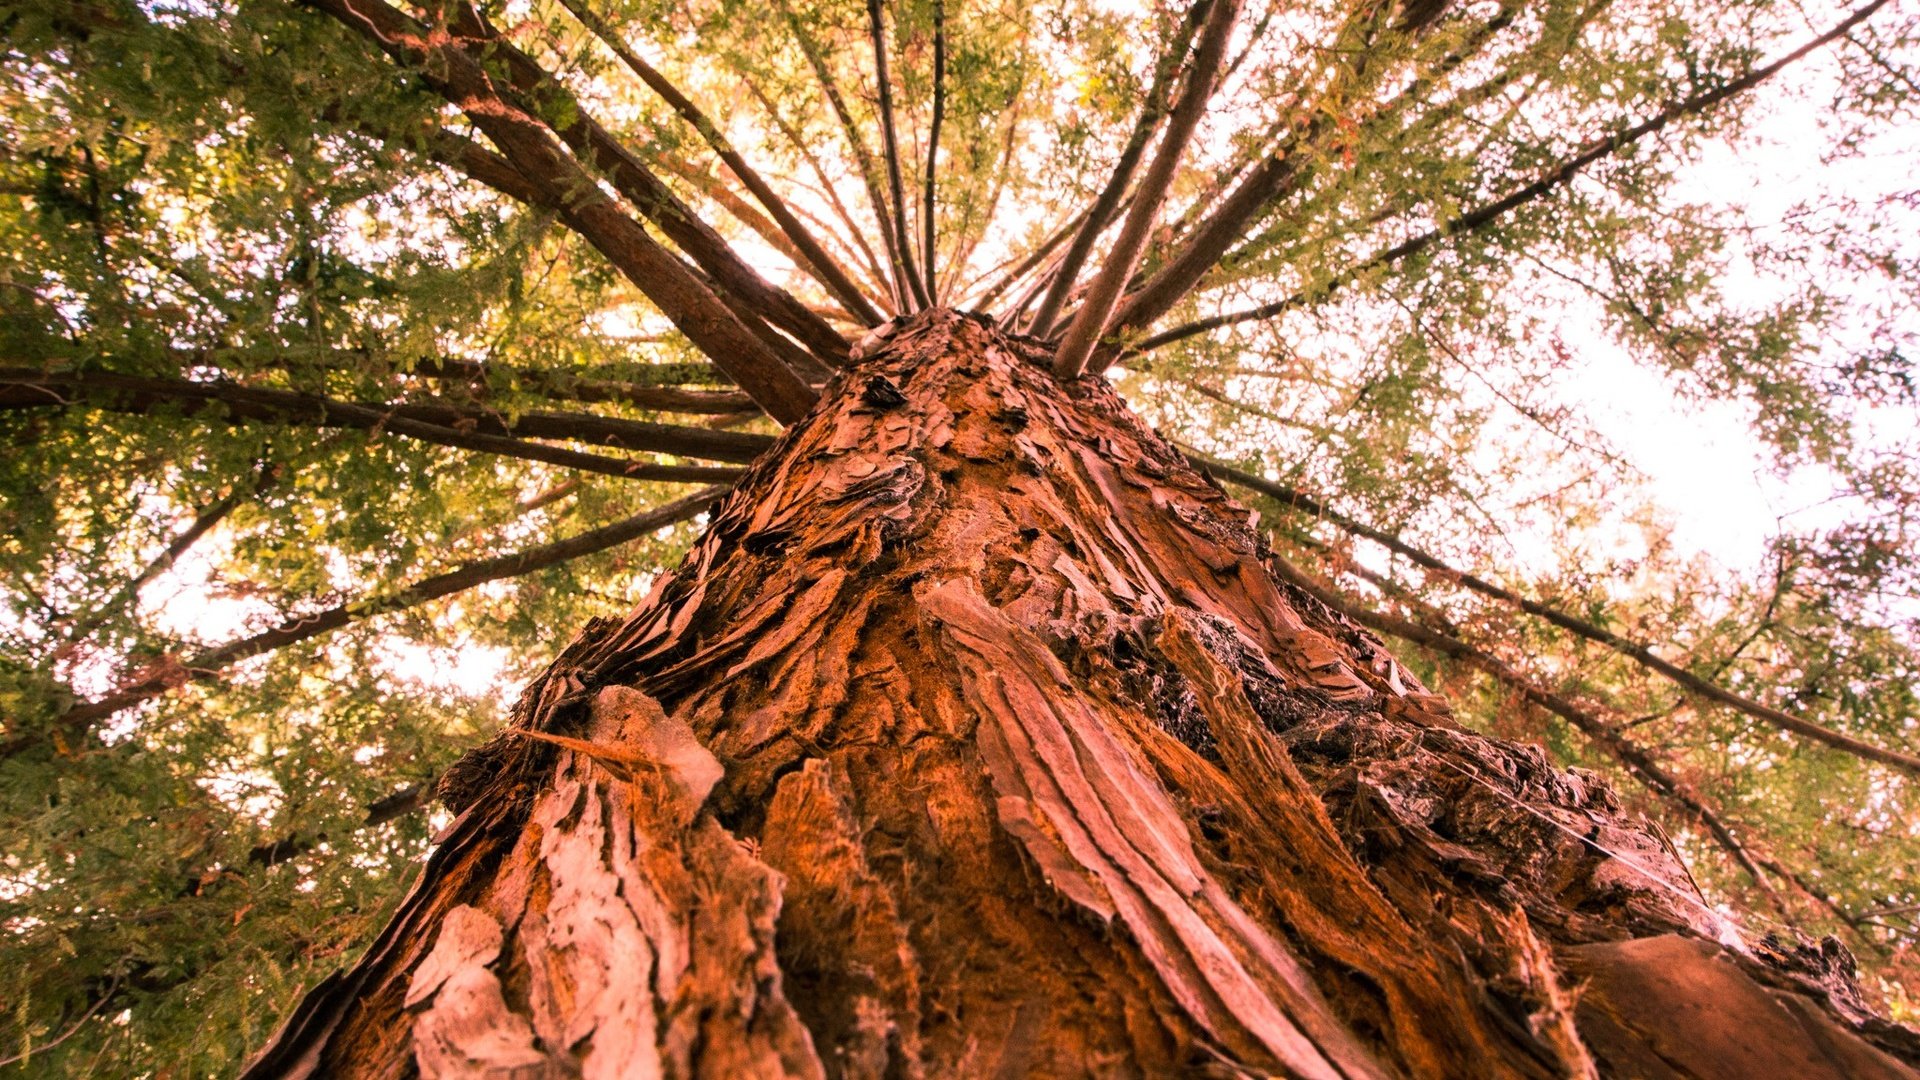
(1032,259)
(970,237)
(1016,316)
(1090,322)
(93,1010)
(716,189)
(564,184)
(928,203)
(1144,307)
(390,807)
(877,30)
(1635,759)
(78,722)
(202,524)
(1414,94)
(1107,204)
(813,254)
(855,237)
(1263,311)
(1633,650)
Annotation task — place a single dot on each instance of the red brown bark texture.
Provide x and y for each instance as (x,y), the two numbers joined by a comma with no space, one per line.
(977,737)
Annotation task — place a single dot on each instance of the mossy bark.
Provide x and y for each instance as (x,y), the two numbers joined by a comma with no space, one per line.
(978,737)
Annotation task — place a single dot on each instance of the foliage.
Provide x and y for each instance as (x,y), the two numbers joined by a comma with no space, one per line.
(247,194)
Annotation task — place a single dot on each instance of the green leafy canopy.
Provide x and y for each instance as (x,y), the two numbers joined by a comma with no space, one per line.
(354,355)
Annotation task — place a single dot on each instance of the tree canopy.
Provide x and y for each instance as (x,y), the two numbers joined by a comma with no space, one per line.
(357,354)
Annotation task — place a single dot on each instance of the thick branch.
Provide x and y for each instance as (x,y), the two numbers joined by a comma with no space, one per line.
(78,722)
(877,29)
(564,387)
(1090,321)
(1630,649)
(813,254)
(483,165)
(594,144)
(1278,173)
(861,158)
(446,425)
(1108,202)
(564,184)
(928,203)
(479,163)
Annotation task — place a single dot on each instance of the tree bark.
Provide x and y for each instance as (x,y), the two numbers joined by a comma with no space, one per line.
(977,737)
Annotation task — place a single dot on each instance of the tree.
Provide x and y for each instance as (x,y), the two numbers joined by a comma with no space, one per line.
(979,730)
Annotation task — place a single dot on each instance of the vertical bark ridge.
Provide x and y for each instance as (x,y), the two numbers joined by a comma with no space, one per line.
(991,708)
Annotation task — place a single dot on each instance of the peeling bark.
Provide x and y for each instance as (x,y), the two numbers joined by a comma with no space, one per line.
(977,737)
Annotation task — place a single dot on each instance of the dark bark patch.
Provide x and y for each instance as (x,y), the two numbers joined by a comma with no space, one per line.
(881,393)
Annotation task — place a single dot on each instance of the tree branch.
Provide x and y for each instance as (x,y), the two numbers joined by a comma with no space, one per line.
(1108,202)
(78,722)
(202,524)
(863,160)
(877,29)
(933,143)
(1157,296)
(597,147)
(561,386)
(564,184)
(1032,259)
(1090,322)
(855,239)
(1633,650)
(1276,174)
(463,155)
(813,254)
(1633,758)
(389,807)
(477,429)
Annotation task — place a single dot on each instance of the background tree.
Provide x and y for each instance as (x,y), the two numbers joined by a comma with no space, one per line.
(357,355)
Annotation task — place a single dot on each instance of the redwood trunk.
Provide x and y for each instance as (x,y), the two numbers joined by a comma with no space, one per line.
(977,738)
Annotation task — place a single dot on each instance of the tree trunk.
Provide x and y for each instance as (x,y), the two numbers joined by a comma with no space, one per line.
(977,737)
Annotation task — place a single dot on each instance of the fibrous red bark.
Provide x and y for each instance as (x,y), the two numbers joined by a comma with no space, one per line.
(977,737)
